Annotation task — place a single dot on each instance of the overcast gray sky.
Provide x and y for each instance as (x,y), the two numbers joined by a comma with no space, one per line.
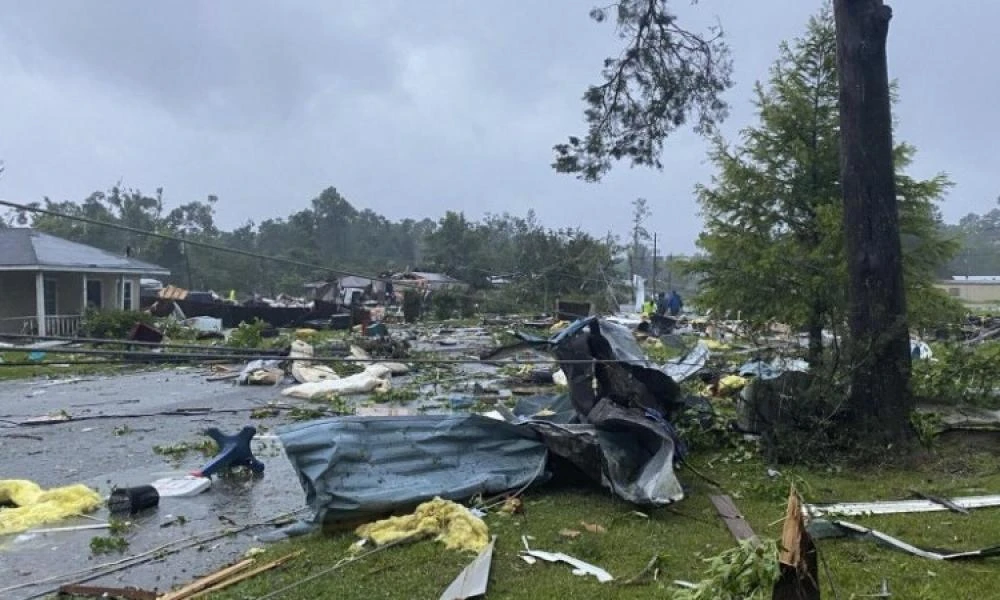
(413,108)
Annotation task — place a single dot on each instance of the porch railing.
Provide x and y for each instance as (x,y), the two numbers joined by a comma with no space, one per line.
(57,325)
(63,325)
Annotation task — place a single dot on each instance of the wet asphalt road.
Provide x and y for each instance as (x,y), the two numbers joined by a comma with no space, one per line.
(102,453)
(107,445)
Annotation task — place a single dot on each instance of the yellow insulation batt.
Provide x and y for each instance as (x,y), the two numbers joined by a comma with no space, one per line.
(452,523)
(34,506)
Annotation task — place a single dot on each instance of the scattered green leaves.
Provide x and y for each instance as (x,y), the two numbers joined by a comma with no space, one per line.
(746,572)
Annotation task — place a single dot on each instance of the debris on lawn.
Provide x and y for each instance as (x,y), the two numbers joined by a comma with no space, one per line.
(236,577)
(32,506)
(473,579)
(203,583)
(893,507)
(733,518)
(823,529)
(451,523)
(618,400)
(86,591)
(580,568)
(746,572)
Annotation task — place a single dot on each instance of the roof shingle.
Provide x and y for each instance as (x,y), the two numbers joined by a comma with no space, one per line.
(24,247)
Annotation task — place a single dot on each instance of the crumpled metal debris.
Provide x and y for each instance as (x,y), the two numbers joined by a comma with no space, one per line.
(620,435)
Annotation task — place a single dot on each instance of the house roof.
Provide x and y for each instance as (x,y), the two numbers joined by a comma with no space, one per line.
(976,278)
(354,281)
(25,249)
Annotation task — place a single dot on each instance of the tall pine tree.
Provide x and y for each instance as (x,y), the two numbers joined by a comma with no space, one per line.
(773,237)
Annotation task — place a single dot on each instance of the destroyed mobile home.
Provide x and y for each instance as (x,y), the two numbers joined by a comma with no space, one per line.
(615,419)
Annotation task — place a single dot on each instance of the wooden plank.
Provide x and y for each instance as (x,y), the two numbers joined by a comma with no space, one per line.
(205,582)
(731,516)
(247,574)
(87,591)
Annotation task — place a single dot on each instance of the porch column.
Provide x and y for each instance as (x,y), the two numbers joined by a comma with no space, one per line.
(83,299)
(40,301)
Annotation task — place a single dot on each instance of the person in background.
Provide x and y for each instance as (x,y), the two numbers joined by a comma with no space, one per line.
(390,293)
(675,304)
(661,304)
(648,308)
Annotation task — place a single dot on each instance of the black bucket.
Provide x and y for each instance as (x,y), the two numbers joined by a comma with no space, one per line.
(133,500)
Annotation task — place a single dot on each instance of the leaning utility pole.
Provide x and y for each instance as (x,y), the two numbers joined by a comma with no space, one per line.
(654,264)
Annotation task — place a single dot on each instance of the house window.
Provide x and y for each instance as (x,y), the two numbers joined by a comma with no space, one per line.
(94,293)
(954,292)
(51,306)
(127,295)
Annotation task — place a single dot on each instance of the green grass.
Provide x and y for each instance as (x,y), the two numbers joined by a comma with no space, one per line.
(8,372)
(682,536)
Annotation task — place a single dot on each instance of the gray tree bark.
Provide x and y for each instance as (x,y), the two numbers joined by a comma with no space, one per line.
(880,402)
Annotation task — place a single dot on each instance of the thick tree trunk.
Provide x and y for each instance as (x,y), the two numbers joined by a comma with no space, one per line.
(880,401)
(815,329)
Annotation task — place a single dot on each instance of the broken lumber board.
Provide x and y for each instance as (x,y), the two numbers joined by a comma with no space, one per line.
(798,566)
(207,581)
(247,574)
(89,591)
(733,518)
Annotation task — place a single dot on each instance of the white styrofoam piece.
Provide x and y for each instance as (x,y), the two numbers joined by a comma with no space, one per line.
(181,487)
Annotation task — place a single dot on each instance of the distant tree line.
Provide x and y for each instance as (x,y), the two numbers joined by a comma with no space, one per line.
(532,264)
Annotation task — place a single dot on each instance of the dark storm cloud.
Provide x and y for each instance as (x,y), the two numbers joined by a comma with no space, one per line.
(414,108)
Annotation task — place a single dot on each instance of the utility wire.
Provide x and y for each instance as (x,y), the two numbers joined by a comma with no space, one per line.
(216,247)
(196,243)
(202,356)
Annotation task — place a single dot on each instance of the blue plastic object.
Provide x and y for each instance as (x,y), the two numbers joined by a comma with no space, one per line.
(234,451)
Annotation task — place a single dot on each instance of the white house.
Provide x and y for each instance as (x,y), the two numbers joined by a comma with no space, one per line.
(46,282)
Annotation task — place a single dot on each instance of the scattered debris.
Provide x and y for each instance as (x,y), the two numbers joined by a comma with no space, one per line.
(85,591)
(650,569)
(942,501)
(243,576)
(33,506)
(731,516)
(87,527)
(234,451)
(580,568)
(821,529)
(451,523)
(891,507)
(304,371)
(593,527)
(374,378)
(473,579)
(189,590)
(512,506)
(133,500)
(748,571)
(882,593)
